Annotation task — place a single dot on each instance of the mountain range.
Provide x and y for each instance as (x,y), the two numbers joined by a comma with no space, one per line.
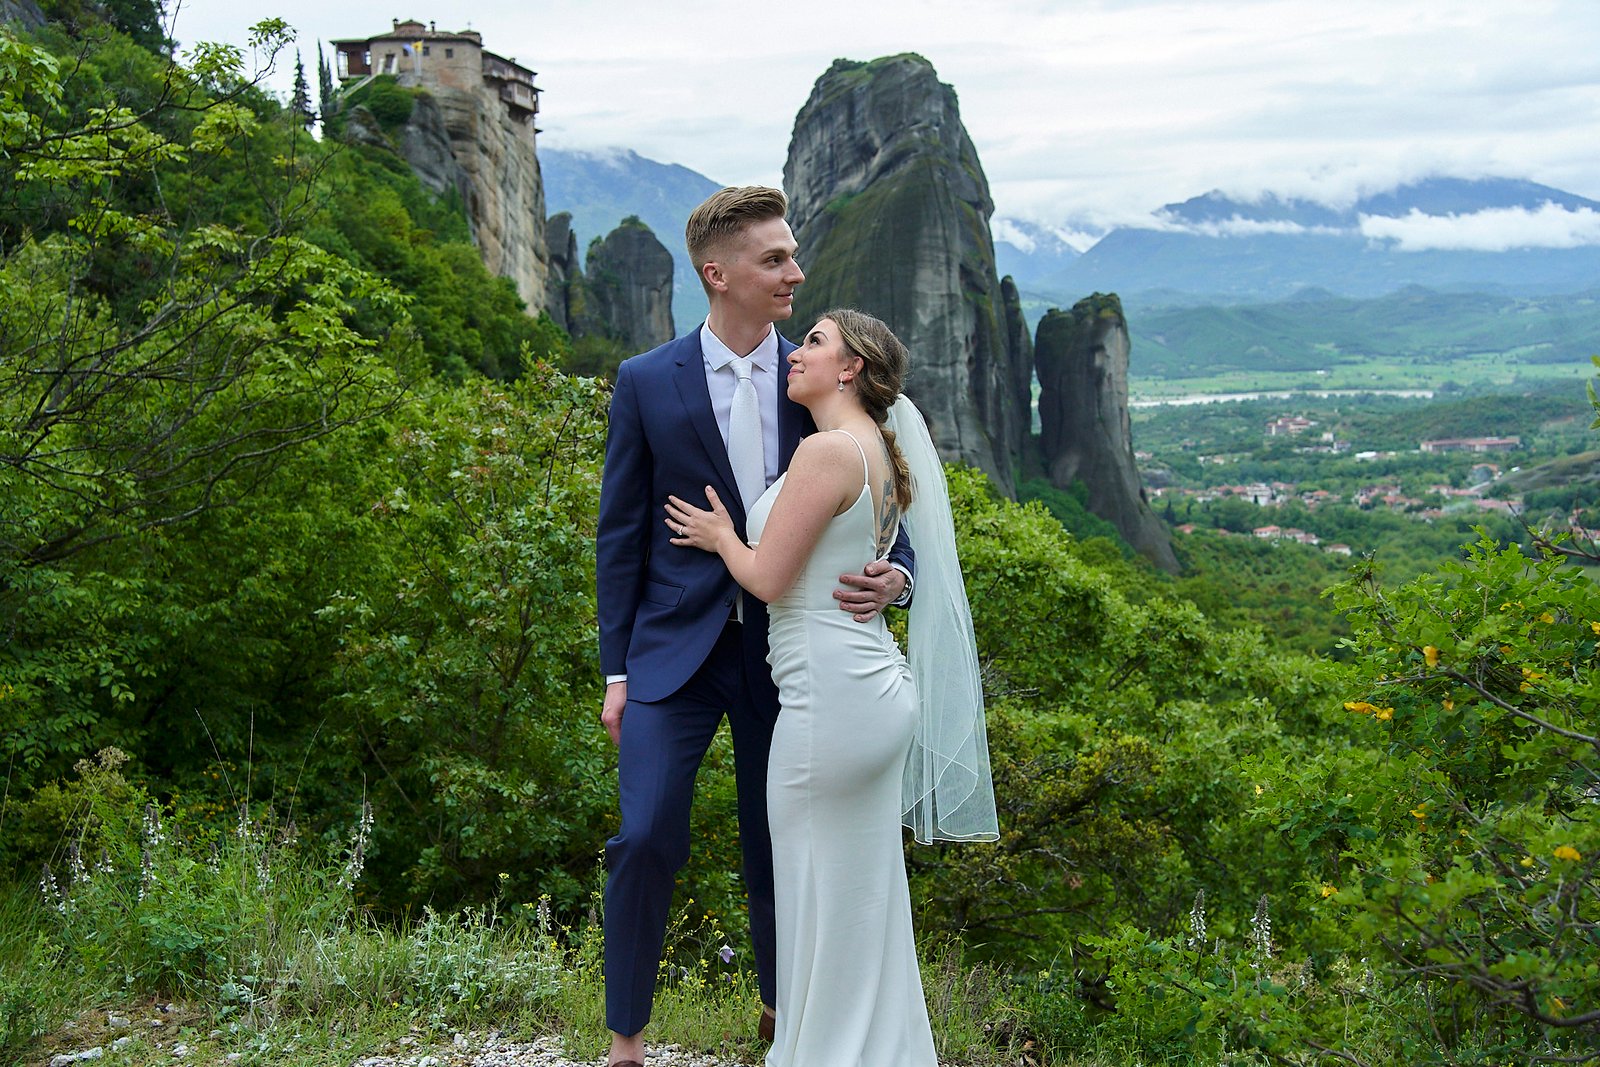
(1499,237)
(1491,235)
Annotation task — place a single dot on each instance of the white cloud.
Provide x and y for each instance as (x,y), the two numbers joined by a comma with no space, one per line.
(1013,235)
(1235,226)
(1090,114)
(1496,230)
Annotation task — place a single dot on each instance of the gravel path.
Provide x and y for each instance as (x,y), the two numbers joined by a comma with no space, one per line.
(119,1037)
(543,1052)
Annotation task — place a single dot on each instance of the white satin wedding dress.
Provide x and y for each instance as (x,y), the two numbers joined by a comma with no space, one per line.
(849,992)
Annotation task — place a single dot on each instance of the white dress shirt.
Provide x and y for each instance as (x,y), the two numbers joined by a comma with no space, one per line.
(721,381)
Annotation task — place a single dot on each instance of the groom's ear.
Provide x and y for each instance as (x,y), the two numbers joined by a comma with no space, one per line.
(711,273)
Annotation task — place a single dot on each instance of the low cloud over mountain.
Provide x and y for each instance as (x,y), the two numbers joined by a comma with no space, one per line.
(1493,230)
(1465,234)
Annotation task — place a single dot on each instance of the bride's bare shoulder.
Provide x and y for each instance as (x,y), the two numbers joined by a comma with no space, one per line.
(829,462)
(825,449)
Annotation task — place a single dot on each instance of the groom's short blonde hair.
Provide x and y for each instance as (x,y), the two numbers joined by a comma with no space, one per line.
(726,214)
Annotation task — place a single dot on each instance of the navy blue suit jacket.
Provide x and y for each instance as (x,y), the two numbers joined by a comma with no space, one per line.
(662,606)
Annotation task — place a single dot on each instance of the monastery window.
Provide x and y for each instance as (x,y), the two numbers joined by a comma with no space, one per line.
(449,53)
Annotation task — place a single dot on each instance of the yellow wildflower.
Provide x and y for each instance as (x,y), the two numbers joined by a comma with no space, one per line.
(1383,714)
(1328,891)
(1567,852)
(1449,705)
(1595,626)
(1557,1005)
(1260,789)
(1361,707)
(1547,618)
(1431,655)
(1420,811)
(1526,861)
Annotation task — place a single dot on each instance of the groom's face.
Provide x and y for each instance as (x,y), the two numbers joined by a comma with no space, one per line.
(758,271)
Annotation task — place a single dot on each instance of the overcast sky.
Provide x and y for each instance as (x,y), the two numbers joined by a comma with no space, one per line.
(1084,113)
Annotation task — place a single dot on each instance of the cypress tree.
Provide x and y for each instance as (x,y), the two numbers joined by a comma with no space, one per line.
(325,85)
(300,104)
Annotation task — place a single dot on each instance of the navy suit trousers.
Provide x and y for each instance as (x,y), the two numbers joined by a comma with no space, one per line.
(663,743)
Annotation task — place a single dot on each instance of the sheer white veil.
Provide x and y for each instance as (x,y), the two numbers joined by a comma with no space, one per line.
(947,793)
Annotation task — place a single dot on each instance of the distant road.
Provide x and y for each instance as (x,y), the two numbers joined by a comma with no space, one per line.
(1283,394)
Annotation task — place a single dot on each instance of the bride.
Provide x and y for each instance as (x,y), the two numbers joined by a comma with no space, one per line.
(866,741)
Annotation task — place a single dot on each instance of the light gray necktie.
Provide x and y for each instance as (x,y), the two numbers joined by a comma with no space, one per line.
(745,450)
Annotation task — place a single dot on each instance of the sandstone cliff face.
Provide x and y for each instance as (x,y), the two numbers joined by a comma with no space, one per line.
(496,170)
(624,294)
(628,283)
(425,144)
(1082,361)
(561,247)
(891,209)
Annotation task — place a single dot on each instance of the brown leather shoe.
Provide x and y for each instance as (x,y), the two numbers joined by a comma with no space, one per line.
(626,1063)
(767,1028)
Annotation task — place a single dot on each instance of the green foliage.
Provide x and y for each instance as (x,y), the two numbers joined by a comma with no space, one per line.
(1071,510)
(389,103)
(594,356)
(1115,731)
(467,674)
(1314,334)
(1479,877)
(141,20)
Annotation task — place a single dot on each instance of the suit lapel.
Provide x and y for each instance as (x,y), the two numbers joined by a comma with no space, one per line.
(690,378)
(792,418)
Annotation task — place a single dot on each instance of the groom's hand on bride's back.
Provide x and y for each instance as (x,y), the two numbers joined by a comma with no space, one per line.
(865,595)
(611,710)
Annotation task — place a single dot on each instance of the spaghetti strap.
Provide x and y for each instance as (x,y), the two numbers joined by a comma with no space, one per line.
(866,468)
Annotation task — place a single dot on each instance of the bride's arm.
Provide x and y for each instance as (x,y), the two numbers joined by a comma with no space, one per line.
(823,479)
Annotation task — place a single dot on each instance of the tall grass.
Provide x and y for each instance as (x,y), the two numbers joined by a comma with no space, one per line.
(262,939)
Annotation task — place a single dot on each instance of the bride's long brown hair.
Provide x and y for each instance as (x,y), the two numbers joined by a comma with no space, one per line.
(884,362)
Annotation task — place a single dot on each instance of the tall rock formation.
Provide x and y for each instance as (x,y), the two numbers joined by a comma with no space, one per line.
(891,209)
(497,172)
(628,279)
(623,291)
(1081,357)
(470,131)
(561,245)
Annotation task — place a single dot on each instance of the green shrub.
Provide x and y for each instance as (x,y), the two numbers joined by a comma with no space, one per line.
(389,103)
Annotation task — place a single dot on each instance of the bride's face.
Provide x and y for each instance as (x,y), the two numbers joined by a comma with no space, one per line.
(816,367)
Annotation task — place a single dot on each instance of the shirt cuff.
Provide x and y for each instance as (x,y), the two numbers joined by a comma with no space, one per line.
(904,598)
(613,678)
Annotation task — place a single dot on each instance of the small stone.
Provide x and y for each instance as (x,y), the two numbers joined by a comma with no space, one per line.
(122,1041)
(62,1060)
(458,1039)
(157,1024)
(117,1022)
(428,1061)
(180,1050)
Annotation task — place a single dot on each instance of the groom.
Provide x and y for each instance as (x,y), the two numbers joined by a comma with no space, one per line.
(680,644)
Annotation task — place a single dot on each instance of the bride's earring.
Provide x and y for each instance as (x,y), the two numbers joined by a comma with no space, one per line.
(841,385)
